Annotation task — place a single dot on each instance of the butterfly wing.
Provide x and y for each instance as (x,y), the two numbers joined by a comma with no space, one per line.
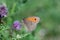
(31,22)
(30,26)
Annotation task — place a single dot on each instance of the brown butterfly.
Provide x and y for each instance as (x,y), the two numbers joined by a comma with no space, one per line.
(31,23)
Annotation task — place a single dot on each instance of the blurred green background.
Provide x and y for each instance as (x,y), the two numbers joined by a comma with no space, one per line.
(47,10)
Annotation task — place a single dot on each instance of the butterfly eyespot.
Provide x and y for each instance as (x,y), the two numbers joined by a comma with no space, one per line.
(35,19)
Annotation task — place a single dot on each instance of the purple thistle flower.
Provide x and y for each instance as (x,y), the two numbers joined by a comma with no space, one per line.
(16,25)
(3,10)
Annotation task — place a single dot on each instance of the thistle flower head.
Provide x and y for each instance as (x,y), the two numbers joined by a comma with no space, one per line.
(3,10)
(16,25)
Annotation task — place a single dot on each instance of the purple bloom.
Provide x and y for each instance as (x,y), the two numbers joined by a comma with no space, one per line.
(16,25)
(3,10)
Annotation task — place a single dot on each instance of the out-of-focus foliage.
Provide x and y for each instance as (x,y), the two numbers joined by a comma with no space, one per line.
(47,10)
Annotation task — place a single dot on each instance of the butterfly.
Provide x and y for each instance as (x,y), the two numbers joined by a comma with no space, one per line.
(31,23)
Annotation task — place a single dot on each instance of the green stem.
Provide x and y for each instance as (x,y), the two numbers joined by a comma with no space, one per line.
(13,8)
